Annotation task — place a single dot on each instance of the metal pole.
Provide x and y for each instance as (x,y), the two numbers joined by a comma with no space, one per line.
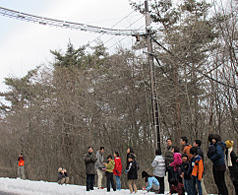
(155,113)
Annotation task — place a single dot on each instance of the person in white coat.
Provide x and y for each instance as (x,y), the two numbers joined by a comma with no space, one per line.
(159,169)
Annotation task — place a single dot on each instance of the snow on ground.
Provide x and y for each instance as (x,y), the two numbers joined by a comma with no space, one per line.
(27,187)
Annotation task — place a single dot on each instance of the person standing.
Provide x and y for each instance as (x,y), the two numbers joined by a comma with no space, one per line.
(197,169)
(216,153)
(117,169)
(168,154)
(132,175)
(109,173)
(20,170)
(175,180)
(186,169)
(197,143)
(90,160)
(185,147)
(99,166)
(159,169)
(231,161)
(168,159)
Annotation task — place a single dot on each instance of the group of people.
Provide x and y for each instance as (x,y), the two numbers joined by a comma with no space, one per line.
(184,166)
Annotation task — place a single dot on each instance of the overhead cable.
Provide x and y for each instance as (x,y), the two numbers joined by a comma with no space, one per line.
(67,24)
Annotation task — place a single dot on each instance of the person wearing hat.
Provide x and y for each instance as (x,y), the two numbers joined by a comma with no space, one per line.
(152,183)
(231,161)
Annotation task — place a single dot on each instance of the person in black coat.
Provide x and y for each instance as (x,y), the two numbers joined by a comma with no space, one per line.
(231,161)
(132,176)
(90,160)
(186,169)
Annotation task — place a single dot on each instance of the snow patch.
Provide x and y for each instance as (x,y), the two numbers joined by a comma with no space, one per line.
(28,187)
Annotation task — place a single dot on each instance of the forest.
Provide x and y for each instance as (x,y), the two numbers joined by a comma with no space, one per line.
(89,96)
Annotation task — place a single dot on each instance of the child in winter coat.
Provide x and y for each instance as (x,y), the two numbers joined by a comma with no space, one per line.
(131,171)
(175,180)
(231,161)
(152,184)
(197,169)
(177,162)
(186,169)
(117,169)
(109,173)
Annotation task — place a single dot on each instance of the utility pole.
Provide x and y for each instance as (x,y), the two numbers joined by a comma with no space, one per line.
(155,112)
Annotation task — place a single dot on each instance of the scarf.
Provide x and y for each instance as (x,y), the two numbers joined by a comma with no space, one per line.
(229,162)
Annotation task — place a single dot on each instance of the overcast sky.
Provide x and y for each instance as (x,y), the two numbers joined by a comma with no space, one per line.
(23,46)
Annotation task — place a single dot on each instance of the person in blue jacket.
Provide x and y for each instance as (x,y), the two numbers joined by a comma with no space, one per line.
(216,153)
(152,183)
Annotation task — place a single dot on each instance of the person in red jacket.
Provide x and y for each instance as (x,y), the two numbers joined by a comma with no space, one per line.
(20,170)
(117,169)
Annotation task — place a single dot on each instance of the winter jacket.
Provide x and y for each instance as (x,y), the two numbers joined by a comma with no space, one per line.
(187,170)
(131,170)
(159,166)
(197,166)
(60,176)
(217,156)
(186,150)
(21,161)
(168,156)
(177,161)
(152,181)
(110,166)
(99,163)
(118,166)
(90,160)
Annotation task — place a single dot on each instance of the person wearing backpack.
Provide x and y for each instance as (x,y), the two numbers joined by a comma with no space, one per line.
(231,161)
(132,176)
(216,153)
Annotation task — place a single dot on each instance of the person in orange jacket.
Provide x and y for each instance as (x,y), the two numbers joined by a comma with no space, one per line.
(197,169)
(186,147)
(20,170)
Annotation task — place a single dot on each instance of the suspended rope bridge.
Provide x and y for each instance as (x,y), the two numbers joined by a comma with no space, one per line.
(68,24)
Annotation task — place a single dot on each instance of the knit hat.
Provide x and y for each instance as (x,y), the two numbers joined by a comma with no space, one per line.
(229,143)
